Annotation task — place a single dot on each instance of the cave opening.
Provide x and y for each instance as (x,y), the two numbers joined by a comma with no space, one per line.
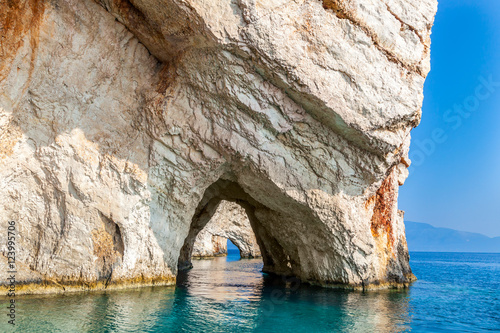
(228,229)
(224,201)
(276,260)
(292,240)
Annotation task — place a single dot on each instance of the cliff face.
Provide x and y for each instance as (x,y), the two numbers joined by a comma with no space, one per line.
(125,123)
(230,221)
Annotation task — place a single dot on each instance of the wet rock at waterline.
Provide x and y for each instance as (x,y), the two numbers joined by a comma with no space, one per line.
(124,124)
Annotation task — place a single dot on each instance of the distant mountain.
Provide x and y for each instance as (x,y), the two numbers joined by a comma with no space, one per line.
(426,238)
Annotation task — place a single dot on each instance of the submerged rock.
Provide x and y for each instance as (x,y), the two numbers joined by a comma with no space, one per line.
(124,124)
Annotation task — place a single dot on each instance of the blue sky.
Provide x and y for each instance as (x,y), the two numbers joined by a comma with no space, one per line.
(455,179)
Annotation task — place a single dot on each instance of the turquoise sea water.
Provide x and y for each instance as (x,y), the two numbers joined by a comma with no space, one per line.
(456,292)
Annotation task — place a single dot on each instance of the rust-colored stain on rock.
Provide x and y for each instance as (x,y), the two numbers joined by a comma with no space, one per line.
(336,6)
(18,19)
(385,199)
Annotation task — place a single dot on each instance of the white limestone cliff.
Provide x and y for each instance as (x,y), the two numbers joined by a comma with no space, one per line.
(124,123)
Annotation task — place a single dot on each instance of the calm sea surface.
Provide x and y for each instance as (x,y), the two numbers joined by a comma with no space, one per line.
(456,292)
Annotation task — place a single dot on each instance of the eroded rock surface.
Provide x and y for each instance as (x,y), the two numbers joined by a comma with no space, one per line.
(124,123)
(230,221)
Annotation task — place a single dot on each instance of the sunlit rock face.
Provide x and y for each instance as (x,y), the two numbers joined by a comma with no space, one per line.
(230,221)
(124,124)
(208,245)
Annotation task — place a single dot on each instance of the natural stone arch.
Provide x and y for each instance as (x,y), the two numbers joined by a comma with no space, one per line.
(276,258)
(290,237)
(224,190)
(229,222)
(311,239)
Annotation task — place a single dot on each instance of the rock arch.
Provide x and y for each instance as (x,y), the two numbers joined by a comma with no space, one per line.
(230,191)
(230,222)
(295,238)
